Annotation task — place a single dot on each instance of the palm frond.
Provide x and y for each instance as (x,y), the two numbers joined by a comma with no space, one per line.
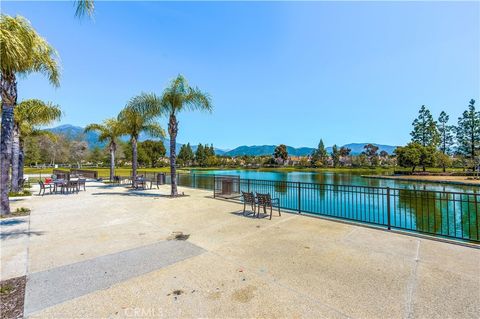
(33,112)
(109,131)
(84,7)
(23,50)
(140,115)
(180,95)
(146,103)
(154,130)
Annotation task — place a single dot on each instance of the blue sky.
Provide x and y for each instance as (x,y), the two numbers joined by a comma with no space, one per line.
(278,72)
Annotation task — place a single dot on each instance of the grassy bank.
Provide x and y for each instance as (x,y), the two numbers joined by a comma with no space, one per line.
(125,171)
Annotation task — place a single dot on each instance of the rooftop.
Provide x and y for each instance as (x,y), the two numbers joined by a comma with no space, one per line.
(114,252)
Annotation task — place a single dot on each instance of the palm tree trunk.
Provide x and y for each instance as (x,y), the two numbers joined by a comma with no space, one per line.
(21,160)
(172,131)
(134,160)
(8,86)
(15,158)
(112,162)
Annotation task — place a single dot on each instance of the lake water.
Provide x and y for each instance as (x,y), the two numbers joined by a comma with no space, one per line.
(437,209)
(355,179)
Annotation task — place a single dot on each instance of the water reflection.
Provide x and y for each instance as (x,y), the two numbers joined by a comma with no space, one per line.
(447,210)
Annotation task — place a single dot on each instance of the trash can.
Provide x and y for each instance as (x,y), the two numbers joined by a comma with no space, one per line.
(227,186)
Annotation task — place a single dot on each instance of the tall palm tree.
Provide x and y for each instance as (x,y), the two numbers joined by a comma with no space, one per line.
(137,117)
(177,97)
(110,131)
(28,115)
(22,51)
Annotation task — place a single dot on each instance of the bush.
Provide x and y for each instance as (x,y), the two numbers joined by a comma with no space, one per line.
(24,192)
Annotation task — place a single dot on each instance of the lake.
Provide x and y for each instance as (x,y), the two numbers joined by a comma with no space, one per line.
(437,209)
(336,178)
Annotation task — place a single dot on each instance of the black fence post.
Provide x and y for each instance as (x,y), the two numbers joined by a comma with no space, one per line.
(193,180)
(248,185)
(388,209)
(213,185)
(299,199)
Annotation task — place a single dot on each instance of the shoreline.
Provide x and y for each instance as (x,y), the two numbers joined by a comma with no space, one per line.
(452,180)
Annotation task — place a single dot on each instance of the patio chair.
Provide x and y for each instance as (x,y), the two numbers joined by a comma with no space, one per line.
(140,182)
(116,180)
(265,200)
(81,183)
(44,186)
(159,180)
(59,185)
(248,198)
(72,186)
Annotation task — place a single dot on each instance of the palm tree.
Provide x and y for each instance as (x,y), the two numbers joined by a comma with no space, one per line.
(137,117)
(28,115)
(22,51)
(84,7)
(110,131)
(177,97)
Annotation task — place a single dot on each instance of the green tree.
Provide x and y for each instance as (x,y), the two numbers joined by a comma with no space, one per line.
(22,51)
(32,150)
(154,150)
(409,155)
(280,153)
(200,155)
(96,155)
(186,156)
(443,160)
(110,131)
(28,116)
(335,155)
(182,156)
(445,133)
(344,155)
(370,150)
(320,155)
(414,155)
(425,130)
(135,118)
(468,132)
(209,151)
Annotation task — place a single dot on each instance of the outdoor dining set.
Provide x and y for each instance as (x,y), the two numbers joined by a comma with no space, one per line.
(62,184)
(141,181)
(259,201)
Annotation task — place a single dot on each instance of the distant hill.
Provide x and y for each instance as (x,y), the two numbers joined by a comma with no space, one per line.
(356,149)
(76,132)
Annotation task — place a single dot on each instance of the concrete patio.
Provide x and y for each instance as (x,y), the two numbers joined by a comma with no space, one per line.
(109,252)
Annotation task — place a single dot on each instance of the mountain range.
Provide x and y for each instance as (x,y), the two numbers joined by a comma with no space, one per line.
(76,132)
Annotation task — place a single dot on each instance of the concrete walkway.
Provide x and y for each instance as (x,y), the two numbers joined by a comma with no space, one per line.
(108,253)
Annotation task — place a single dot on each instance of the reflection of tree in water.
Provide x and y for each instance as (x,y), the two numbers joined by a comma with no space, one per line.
(442,213)
(204,181)
(281,187)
